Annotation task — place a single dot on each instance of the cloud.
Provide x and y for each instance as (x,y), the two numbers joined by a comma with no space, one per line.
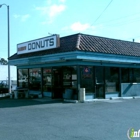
(79,27)
(51,11)
(16,16)
(56,9)
(23,18)
(138,41)
(62,1)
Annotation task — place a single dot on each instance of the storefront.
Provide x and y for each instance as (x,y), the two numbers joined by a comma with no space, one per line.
(59,67)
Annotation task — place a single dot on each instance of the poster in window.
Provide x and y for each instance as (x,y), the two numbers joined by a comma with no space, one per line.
(87,73)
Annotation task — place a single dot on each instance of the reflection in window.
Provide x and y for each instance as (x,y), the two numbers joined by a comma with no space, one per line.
(47,81)
(74,77)
(111,79)
(99,74)
(69,77)
(23,78)
(137,75)
(99,80)
(35,79)
(125,75)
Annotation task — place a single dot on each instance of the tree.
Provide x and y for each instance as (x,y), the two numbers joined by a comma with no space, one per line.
(3,61)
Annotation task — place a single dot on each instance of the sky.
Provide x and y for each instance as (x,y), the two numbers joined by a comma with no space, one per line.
(33,19)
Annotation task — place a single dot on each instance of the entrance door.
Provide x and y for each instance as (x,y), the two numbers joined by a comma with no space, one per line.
(57,83)
(99,82)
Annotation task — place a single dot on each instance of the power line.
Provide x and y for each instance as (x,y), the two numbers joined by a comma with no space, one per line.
(103,11)
(121,18)
(121,23)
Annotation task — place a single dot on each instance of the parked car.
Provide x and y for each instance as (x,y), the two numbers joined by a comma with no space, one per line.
(3,87)
(24,79)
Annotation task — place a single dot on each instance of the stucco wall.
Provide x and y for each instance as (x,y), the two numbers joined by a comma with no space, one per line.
(130,89)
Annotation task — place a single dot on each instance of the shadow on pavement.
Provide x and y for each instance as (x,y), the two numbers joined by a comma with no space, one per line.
(9,103)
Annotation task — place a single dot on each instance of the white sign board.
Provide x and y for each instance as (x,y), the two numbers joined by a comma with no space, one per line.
(41,44)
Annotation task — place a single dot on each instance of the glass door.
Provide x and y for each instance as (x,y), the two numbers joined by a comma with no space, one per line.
(57,83)
(99,82)
(87,81)
(47,82)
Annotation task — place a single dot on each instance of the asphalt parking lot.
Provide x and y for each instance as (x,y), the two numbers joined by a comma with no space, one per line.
(28,119)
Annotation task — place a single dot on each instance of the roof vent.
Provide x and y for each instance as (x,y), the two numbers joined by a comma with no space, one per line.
(78,41)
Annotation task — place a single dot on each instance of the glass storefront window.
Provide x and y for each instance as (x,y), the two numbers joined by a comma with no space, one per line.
(131,75)
(35,79)
(125,75)
(137,75)
(69,77)
(111,79)
(23,78)
(87,79)
(74,77)
(47,82)
(69,82)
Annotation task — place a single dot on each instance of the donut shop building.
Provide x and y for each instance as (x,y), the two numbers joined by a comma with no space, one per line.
(59,67)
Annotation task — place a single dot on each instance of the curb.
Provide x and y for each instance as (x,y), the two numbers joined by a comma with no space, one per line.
(112,98)
(95,100)
(70,101)
(136,97)
(117,98)
(120,98)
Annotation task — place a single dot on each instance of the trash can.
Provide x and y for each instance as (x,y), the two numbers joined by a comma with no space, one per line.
(11,95)
(15,94)
(82,95)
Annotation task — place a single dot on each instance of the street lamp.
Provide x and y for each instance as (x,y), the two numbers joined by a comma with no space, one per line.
(9,82)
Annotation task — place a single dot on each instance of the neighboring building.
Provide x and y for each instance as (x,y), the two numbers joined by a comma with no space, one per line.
(104,67)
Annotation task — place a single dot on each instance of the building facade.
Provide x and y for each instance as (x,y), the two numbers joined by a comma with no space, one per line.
(59,67)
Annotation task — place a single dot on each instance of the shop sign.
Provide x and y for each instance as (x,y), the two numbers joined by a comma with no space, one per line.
(41,44)
(87,72)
